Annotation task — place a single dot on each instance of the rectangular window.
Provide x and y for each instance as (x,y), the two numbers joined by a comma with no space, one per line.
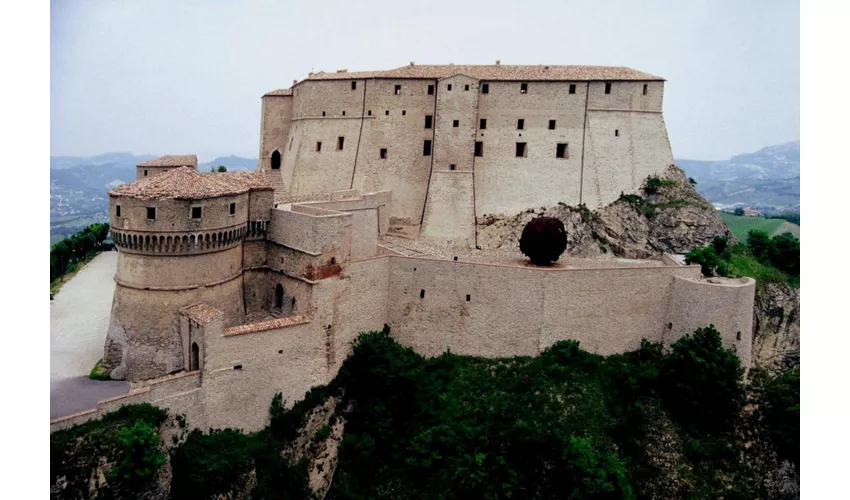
(353,85)
(449,87)
(403,112)
(397,90)
(151,213)
(466,87)
(430,90)
(456,123)
(421,294)
(196,212)
(552,124)
(452,166)
(383,153)
(572,88)
(428,121)
(485,88)
(426,148)
(340,142)
(645,88)
(608,87)
(146,172)
(523,88)
(520,150)
(318,146)
(520,124)
(369,112)
(117,210)
(387,112)
(343,113)
(323,113)
(233,209)
(561,151)
(482,123)
(479,148)
(616,132)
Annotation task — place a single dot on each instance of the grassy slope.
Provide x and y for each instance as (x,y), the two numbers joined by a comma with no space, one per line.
(740,225)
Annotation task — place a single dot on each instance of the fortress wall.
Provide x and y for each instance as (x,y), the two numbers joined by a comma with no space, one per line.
(254,253)
(260,202)
(259,290)
(615,164)
(178,270)
(725,303)
(173,215)
(151,171)
(331,168)
(449,212)
(540,179)
(311,233)
(143,339)
(626,96)
(313,97)
(274,127)
(521,311)
(405,170)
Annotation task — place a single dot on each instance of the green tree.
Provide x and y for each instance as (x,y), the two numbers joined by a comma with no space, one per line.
(222,168)
(140,456)
(739,211)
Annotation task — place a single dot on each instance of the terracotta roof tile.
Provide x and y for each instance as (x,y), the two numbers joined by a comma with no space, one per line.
(283,92)
(263,326)
(189,184)
(201,313)
(171,161)
(495,72)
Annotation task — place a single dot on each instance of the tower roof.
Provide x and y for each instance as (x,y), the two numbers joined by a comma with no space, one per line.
(171,161)
(187,183)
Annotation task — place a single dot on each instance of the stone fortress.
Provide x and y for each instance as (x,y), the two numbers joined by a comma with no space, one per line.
(231,287)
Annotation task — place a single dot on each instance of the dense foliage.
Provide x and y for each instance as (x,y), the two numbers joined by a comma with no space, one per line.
(762,257)
(75,249)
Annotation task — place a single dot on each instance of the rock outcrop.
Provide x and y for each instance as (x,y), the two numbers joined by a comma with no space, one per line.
(776,327)
(670,216)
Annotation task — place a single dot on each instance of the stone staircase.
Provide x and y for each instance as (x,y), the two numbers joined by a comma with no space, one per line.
(275,178)
(276,313)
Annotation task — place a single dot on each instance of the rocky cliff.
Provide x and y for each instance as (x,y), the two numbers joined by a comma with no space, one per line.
(776,327)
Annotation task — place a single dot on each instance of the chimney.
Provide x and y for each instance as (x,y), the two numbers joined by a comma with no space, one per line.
(412,64)
(294,82)
(342,71)
(498,62)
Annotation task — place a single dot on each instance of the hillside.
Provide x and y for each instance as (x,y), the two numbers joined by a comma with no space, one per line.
(740,225)
(768,179)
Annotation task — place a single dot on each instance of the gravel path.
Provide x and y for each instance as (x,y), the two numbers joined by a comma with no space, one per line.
(79,317)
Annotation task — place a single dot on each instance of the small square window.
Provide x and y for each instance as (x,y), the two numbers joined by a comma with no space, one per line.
(523,88)
(318,146)
(383,153)
(479,148)
(387,113)
(449,87)
(466,87)
(485,88)
(340,142)
(369,112)
(146,172)
(607,87)
(353,85)
(233,209)
(196,212)
(452,166)
(430,90)
(397,90)
(520,124)
(561,151)
(117,210)
(572,88)
(403,112)
(151,213)
(426,148)
(455,123)
(521,150)
(482,123)
(428,121)
(645,88)
(552,124)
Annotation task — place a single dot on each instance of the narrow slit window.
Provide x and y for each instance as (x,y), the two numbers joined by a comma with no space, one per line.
(466,87)
(196,212)
(520,124)
(323,113)
(369,112)
(455,123)
(237,367)
(146,172)
(151,213)
(645,88)
(387,112)
(290,147)
(616,132)
(561,151)
(482,123)
(607,87)
(117,210)
(397,90)
(738,336)
(552,124)
(233,209)
(421,294)
(523,88)
(318,146)
(449,87)
(426,148)
(343,113)
(572,88)
(340,142)
(468,297)
(479,148)
(485,88)
(521,150)
(383,153)
(430,90)
(428,121)
(353,85)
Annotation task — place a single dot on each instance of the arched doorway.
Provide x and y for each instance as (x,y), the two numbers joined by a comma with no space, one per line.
(194,362)
(275,160)
(278,296)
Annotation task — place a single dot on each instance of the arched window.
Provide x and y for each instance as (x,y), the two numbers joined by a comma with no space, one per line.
(193,363)
(278,296)
(275,160)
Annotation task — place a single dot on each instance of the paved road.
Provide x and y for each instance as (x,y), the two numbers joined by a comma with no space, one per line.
(79,317)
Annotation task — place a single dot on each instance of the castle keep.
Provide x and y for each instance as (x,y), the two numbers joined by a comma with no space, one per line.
(234,286)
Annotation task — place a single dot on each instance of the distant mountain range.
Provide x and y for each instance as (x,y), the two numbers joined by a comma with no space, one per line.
(767,180)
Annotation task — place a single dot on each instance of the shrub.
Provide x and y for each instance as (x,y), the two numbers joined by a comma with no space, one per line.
(98,372)
(692,181)
(654,184)
(210,464)
(707,258)
(779,408)
(140,456)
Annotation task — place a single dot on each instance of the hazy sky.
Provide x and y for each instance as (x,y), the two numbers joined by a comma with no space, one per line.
(186,76)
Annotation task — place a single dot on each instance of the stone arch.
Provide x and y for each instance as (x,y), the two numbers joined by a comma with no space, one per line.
(278,296)
(133,244)
(168,243)
(162,244)
(189,242)
(206,240)
(195,356)
(275,160)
